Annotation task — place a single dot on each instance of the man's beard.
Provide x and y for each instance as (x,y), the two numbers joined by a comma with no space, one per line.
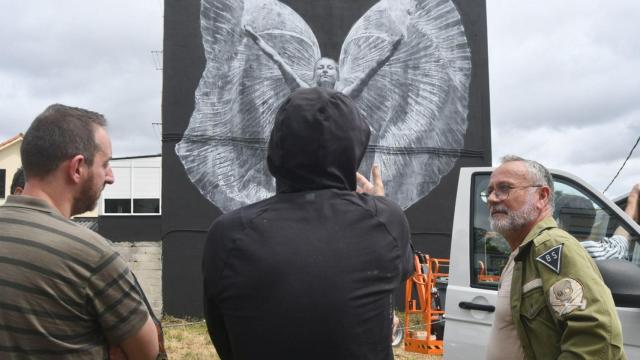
(87,199)
(515,219)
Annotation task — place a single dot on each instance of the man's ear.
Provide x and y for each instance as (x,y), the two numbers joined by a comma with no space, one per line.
(76,168)
(543,196)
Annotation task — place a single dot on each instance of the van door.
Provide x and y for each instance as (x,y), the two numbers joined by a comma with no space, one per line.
(479,254)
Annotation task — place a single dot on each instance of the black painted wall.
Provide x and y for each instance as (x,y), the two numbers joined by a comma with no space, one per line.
(130,228)
(187,215)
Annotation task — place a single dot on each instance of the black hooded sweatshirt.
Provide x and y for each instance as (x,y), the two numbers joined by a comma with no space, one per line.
(308,273)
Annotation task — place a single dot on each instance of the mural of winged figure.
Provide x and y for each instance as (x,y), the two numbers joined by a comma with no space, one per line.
(405,63)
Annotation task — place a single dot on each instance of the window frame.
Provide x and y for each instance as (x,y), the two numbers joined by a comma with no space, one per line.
(132,171)
(557,178)
(473,282)
(3,184)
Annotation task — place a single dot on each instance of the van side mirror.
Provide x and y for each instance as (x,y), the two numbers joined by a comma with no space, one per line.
(623,278)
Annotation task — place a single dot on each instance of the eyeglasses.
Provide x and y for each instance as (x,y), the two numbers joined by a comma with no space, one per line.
(502,191)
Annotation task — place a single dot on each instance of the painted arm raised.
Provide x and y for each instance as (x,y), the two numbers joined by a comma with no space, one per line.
(291,79)
(354,90)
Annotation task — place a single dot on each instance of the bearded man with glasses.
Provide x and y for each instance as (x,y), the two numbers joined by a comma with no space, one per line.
(552,302)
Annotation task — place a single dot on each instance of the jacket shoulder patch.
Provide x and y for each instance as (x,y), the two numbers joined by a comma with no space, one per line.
(566,296)
(552,258)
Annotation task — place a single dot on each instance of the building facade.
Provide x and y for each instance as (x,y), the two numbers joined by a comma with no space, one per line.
(9,163)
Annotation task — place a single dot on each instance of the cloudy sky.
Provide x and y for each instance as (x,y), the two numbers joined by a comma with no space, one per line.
(565,76)
(91,54)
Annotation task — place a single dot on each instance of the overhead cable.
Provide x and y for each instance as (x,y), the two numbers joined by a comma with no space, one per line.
(623,164)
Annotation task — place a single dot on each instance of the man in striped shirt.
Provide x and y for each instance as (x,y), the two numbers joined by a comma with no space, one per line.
(576,215)
(17,184)
(66,294)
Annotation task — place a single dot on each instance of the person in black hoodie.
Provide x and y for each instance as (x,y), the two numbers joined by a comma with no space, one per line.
(308,273)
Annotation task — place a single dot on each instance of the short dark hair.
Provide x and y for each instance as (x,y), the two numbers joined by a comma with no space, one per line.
(58,134)
(18,180)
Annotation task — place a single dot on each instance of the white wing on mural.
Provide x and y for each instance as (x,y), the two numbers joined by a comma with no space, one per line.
(416,104)
(224,148)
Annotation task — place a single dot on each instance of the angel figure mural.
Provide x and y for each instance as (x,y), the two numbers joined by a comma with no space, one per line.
(405,63)
(325,71)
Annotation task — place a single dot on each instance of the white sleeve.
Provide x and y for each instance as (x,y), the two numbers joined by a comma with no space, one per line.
(615,247)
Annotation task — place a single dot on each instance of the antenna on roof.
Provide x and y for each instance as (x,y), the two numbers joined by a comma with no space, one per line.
(157,129)
(157,58)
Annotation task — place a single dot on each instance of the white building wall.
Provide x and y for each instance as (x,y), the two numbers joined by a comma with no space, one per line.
(135,179)
(145,260)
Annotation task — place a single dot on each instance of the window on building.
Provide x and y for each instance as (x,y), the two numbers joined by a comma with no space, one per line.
(142,206)
(136,190)
(3,183)
(117,206)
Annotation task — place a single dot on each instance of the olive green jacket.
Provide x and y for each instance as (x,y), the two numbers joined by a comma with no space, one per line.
(588,327)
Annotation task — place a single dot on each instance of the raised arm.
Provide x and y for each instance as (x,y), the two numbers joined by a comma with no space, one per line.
(632,203)
(631,209)
(291,79)
(356,89)
(617,246)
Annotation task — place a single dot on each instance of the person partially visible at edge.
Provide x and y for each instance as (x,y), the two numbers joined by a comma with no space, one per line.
(552,302)
(576,215)
(66,294)
(17,184)
(308,273)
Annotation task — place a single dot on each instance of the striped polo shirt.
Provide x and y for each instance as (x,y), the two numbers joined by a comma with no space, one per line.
(64,292)
(615,247)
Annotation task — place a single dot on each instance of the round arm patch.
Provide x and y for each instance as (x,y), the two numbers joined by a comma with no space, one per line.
(567,295)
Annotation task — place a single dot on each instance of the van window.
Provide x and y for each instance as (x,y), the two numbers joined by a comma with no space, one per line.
(599,229)
(490,250)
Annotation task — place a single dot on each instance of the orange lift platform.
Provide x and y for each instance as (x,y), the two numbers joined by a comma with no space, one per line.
(423,306)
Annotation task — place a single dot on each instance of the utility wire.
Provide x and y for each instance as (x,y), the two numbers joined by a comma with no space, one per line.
(623,164)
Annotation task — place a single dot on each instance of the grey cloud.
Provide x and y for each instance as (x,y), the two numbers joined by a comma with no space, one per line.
(92,54)
(558,70)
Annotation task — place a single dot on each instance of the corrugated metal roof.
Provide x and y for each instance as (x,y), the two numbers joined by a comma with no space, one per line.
(136,157)
(88,222)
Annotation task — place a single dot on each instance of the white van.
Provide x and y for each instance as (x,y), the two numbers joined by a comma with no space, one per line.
(478,256)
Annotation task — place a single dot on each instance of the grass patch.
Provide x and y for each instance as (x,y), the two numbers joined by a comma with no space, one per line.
(189,339)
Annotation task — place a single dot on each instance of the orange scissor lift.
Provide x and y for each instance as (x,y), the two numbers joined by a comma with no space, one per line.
(421,298)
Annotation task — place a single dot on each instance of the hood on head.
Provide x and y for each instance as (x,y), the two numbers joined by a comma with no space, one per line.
(317,141)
